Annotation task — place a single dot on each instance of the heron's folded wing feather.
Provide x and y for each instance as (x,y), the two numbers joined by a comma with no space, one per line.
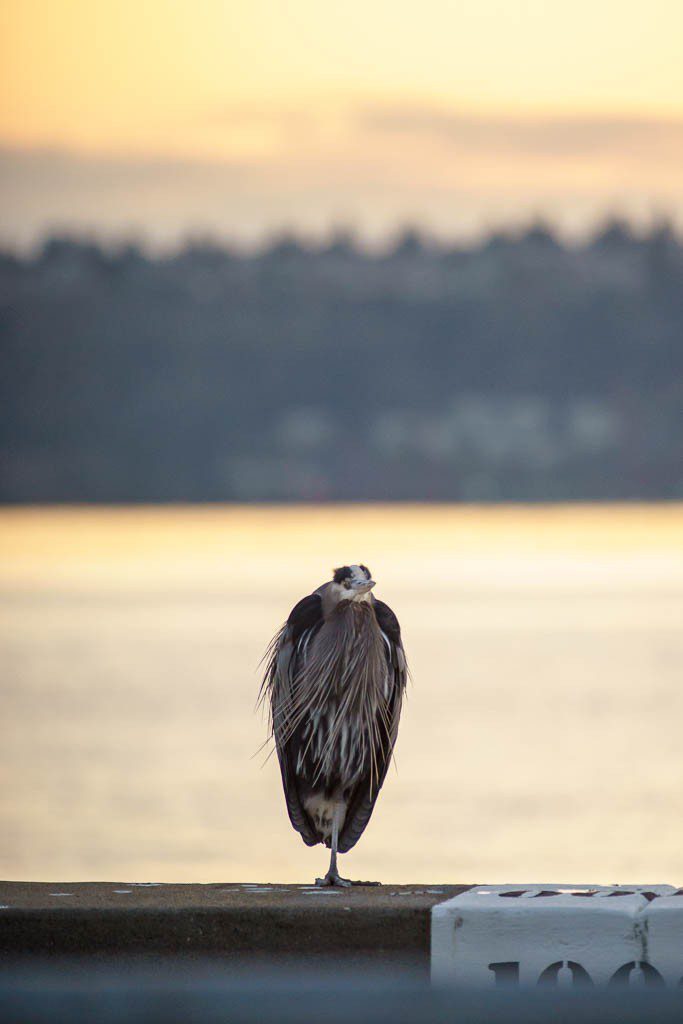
(281,670)
(367,790)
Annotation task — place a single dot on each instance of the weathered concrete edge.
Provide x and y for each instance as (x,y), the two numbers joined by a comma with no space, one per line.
(387,926)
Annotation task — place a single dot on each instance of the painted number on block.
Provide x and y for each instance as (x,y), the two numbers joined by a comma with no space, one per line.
(568,972)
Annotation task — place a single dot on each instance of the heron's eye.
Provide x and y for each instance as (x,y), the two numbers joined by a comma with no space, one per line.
(347,585)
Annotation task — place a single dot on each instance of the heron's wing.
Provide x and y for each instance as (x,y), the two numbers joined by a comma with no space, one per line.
(304,620)
(365,794)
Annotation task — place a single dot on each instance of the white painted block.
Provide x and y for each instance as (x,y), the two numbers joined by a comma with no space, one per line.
(549,934)
(664,937)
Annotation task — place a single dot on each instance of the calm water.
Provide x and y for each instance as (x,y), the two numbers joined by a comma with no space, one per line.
(542,740)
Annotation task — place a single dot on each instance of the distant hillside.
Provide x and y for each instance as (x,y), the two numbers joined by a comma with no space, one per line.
(518,369)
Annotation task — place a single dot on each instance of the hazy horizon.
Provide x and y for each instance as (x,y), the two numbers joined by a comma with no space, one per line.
(246,120)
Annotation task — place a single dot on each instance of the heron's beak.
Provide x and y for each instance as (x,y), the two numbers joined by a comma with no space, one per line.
(363,588)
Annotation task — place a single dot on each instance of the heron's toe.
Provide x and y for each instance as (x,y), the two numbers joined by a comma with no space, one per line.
(333,880)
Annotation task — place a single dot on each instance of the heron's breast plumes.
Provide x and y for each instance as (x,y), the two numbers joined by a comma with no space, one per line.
(339,698)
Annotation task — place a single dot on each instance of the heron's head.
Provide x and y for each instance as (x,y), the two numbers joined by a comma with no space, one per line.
(353,582)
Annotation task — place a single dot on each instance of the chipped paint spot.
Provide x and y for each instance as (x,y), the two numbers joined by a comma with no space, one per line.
(62,894)
(257,888)
(123,892)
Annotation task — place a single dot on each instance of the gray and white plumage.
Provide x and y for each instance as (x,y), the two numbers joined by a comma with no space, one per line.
(334,681)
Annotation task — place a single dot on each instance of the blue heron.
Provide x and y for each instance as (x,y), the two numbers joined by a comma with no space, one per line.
(335,679)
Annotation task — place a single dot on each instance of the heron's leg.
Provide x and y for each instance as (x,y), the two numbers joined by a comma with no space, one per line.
(333,877)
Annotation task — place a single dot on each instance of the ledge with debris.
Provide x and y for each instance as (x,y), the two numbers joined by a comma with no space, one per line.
(387,925)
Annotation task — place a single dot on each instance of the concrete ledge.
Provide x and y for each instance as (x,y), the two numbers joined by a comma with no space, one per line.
(383,926)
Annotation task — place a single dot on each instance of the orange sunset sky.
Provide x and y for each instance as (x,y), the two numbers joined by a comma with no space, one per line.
(163,117)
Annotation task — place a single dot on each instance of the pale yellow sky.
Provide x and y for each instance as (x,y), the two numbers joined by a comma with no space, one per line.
(309,112)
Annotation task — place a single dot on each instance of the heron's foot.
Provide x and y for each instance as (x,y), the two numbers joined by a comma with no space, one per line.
(333,879)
